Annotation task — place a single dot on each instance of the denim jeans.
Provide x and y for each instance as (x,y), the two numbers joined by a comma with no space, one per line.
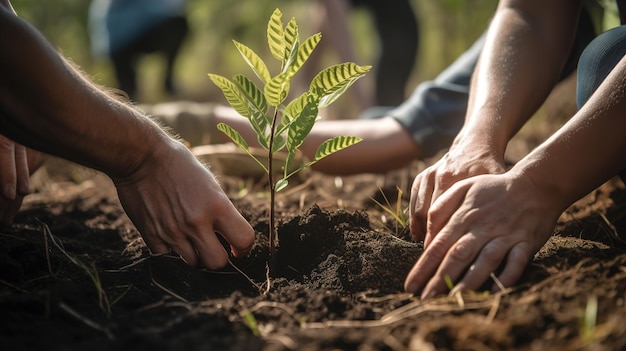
(596,62)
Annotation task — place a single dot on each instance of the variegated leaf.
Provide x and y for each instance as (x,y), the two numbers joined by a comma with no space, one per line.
(333,145)
(292,43)
(291,156)
(305,51)
(252,93)
(302,54)
(277,89)
(301,126)
(292,110)
(254,61)
(239,141)
(279,143)
(276,35)
(334,80)
(232,94)
(281,184)
(233,135)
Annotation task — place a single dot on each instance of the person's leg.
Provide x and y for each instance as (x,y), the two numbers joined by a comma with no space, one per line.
(165,37)
(397,29)
(596,62)
(124,64)
(172,34)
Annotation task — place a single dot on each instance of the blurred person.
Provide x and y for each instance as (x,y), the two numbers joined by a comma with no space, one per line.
(398,41)
(475,217)
(49,106)
(126,30)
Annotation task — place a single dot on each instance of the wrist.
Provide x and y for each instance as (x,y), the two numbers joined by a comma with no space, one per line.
(553,189)
(142,149)
(477,145)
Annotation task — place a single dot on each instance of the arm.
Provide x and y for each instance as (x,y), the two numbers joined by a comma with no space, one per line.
(171,198)
(486,220)
(16,165)
(51,113)
(526,47)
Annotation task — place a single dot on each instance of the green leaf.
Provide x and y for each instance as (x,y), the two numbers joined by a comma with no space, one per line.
(292,43)
(257,107)
(333,145)
(293,110)
(232,94)
(335,80)
(302,124)
(281,184)
(239,141)
(291,156)
(305,50)
(279,143)
(276,89)
(255,97)
(233,135)
(276,35)
(254,61)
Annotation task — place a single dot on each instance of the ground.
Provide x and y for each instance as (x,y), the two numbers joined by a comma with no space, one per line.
(75,275)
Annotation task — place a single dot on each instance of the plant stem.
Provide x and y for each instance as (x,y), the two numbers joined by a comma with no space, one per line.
(273,237)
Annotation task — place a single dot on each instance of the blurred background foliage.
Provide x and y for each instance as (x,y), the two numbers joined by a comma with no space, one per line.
(447,28)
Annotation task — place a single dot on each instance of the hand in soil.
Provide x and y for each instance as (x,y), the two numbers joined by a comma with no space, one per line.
(465,159)
(482,225)
(17,163)
(177,205)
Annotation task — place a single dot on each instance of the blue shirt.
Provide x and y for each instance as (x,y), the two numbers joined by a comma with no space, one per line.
(115,23)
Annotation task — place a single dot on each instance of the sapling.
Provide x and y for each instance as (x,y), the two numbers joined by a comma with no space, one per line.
(279,125)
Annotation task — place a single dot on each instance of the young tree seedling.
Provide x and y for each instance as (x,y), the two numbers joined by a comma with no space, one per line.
(277,124)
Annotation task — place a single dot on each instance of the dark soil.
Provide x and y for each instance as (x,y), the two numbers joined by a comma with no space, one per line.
(75,275)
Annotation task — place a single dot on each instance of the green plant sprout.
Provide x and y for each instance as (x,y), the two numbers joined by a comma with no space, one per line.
(277,124)
(399,214)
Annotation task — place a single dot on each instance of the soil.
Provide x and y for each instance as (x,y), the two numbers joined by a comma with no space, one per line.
(75,275)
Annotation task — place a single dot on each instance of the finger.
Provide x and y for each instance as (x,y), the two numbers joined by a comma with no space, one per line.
(8,175)
(155,244)
(413,222)
(423,190)
(236,231)
(211,253)
(186,250)
(22,171)
(456,262)
(443,209)
(486,263)
(429,261)
(516,262)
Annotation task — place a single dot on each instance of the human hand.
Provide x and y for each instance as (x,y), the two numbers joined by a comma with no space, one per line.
(17,163)
(477,225)
(464,160)
(177,205)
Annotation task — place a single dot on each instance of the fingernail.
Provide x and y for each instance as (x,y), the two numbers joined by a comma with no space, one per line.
(411,288)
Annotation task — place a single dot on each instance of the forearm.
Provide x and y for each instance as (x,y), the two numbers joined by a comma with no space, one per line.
(588,150)
(525,50)
(49,106)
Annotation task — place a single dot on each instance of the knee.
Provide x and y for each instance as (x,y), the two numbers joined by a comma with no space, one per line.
(597,61)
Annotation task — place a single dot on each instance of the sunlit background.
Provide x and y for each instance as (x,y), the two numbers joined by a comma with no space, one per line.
(447,28)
